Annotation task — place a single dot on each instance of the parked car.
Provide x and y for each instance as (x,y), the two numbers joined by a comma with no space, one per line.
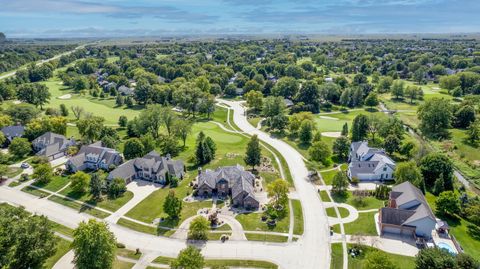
(24,165)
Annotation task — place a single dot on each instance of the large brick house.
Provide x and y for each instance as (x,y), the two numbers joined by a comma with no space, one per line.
(231,181)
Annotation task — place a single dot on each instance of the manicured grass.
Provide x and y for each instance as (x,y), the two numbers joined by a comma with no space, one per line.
(266,238)
(297,217)
(337,256)
(128,253)
(81,208)
(364,225)
(13,172)
(241,263)
(365,204)
(142,228)
(254,121)
(403,262)
(230,151)
(232,263)
(163,260)
(107,203)
(466,233)
(216,236)
(117,264)
(324,196)
(57,227)
(328,176)
(54,185)
(253,222)
(343,212)
(35,192)
(224,227)
(63,246)
(13,184)
(100,107)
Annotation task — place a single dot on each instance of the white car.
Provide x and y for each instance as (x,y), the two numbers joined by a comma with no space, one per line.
(24,165)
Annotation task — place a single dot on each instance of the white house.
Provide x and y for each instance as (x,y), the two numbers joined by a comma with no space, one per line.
(369,164)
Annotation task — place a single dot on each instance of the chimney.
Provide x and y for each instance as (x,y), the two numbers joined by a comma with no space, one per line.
(168,156)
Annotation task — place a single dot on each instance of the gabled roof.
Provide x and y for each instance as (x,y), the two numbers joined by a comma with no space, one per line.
(410,206)
(50,144)
(13,130)
(369,159)
(239,180)
(153,162)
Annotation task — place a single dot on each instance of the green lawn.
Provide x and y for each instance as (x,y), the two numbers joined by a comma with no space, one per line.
(35,192)
(343,212)
(364,225)
(13,172)
(54,185)
(79,207)
(241,263)
(107,203)
(233,263)
(253,222)
(100,107)
(337,256)
(324,196)
(57,227)
(140,228)
(128,253)
(364,203)
(267,238)
(117,264)
(254,121)
(298,217)
(63,246)
(328,176)
(230,151)
(403,262)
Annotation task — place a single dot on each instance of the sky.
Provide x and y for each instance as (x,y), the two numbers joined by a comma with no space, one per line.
(109,18)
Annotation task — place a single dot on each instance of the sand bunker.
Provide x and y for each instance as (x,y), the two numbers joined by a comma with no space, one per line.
(328,118)
(332,134)
(66,96)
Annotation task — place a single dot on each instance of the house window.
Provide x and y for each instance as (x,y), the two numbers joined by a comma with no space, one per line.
(384,168)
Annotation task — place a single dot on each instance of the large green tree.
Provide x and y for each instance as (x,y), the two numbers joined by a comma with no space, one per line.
(408,171)
(26,241)
(435,117)
(172,205)
(435,166)
(253,154)
(43,173)
(190,258)
(360,128)
(198,228)
(278,191)
(94,245)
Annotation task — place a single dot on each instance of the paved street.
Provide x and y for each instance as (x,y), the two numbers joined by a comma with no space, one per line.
(310,251)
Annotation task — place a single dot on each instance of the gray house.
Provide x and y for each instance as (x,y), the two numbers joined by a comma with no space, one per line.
(13,131)
(369,164)
(94,157)
(52,145)
(229,180)
(151,167)
(125,91)
(408,213)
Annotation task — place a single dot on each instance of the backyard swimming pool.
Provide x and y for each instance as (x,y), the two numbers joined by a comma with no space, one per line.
(446,246)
